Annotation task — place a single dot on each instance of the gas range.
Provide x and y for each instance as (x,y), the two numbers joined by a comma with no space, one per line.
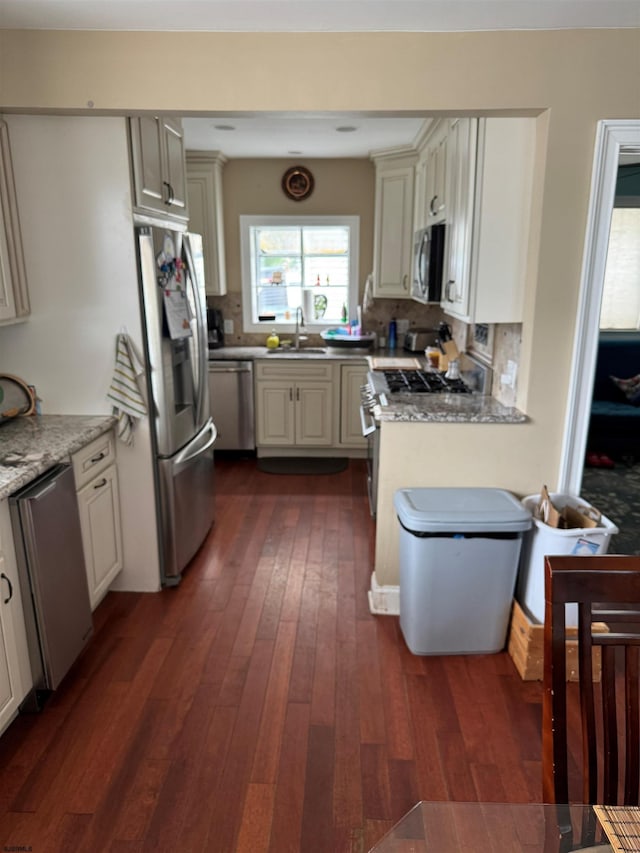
(386,385)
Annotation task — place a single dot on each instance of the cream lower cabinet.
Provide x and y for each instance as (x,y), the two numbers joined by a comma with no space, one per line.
(99,507)
(15,672)
(352,378)
(294,404)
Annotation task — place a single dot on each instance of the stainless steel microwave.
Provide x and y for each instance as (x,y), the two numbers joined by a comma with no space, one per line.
(428,261)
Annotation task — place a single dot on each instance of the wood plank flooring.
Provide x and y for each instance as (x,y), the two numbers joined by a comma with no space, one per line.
(259,706)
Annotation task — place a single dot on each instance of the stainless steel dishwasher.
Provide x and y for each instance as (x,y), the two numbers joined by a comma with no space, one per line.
(53,577)
(231,398)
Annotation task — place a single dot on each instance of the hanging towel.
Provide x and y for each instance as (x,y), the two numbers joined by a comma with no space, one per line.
(128,402)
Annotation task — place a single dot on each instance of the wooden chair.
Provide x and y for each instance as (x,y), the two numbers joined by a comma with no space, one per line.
(605,589)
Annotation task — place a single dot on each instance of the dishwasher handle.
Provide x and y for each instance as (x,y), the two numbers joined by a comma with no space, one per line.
(229,369)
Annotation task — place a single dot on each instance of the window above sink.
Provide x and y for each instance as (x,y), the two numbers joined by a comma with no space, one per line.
(291,262)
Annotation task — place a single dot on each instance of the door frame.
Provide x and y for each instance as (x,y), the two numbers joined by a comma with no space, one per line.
(612,138)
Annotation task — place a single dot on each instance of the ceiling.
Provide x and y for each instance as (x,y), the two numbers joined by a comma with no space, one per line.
(317,135)
(349,135)
(318,15)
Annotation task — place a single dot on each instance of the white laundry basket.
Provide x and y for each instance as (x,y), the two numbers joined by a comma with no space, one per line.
(542,540)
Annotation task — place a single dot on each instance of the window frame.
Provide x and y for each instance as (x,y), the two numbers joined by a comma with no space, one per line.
(304,220)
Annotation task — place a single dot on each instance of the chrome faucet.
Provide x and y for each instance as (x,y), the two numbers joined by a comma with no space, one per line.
(299,325)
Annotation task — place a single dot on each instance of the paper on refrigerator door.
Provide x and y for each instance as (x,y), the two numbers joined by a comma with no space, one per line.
(176,308)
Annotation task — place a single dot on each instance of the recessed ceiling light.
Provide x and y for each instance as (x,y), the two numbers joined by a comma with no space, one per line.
(294,153)
(346,128)
(224,127)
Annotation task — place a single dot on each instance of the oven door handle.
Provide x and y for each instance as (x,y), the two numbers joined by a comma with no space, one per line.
(367,428)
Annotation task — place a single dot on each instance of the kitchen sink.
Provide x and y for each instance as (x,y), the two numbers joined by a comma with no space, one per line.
(298,352)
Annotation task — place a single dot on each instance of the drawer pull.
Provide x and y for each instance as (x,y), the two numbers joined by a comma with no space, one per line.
(100,485)
(5,578)
(97,458)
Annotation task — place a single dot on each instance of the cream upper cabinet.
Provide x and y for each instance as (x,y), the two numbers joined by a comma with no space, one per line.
(294,404)
(489,218)
(436,189)
(96,480)
(352,378)
(461,146)
(393,225)
(159,173)
(15,672)
(14,297)
(204,193)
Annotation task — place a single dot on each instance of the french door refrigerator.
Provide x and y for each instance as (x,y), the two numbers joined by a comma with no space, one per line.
(174,324)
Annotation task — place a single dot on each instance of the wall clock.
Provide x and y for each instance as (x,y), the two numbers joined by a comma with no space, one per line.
(297,183)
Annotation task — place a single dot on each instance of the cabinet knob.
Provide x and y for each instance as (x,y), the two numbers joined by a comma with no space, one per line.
(97,458)
(432,209)
(405,279)
(290,394)
(101,484)
(5,578)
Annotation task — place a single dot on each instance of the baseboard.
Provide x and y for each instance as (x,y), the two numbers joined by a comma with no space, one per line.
(384,600)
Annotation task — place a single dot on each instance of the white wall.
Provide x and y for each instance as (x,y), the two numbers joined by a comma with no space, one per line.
(73,188)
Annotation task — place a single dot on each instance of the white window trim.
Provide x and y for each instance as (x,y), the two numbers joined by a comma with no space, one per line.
(246,222)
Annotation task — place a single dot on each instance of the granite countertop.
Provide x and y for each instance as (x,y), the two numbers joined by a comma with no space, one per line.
(38,442)
(447,408)
(310,352)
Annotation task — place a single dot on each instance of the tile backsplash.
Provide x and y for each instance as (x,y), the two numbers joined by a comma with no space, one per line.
(498,345)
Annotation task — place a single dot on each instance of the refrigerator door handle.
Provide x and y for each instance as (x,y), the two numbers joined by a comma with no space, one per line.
(201,326)
(187,453)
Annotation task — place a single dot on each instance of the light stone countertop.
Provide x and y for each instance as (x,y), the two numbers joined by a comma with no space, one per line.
(402,408)
(448,408)
(38,442)
(253,353)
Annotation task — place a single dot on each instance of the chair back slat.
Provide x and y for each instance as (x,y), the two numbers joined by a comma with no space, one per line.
(606,590)
(632,726)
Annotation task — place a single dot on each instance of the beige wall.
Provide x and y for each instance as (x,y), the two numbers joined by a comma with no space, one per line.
(571,78)
(252,187)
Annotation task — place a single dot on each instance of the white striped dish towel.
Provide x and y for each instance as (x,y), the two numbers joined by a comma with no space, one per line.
(128,402)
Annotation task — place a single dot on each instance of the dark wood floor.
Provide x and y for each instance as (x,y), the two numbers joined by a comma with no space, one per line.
(259,706)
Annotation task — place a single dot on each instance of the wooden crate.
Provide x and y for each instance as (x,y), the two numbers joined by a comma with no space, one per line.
(526,649)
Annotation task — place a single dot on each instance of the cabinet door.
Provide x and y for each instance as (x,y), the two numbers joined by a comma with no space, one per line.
(314,414)
(159,174)
(174,165)
(146,149)
(352,378)
(393,232)
(461,153)
(204,192)
(437,174)
(15,672)
(14,298)
(99,507)
(275,415)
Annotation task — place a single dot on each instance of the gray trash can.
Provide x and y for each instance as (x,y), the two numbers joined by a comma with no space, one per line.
(459,552)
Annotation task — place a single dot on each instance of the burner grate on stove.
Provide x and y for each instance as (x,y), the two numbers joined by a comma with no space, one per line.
(423,382)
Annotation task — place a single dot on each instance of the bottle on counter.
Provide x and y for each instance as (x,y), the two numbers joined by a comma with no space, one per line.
(345,314)
(393,334)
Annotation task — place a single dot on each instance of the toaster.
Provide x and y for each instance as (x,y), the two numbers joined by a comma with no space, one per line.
(417,340)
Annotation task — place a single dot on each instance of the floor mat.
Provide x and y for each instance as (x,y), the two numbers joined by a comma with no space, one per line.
(302,465)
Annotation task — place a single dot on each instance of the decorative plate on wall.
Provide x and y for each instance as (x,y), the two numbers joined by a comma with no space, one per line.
(297,183)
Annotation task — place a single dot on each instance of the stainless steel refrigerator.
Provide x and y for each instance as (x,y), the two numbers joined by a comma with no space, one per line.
(182,431)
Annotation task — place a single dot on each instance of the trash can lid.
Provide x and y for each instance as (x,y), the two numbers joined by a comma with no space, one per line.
(464,510)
